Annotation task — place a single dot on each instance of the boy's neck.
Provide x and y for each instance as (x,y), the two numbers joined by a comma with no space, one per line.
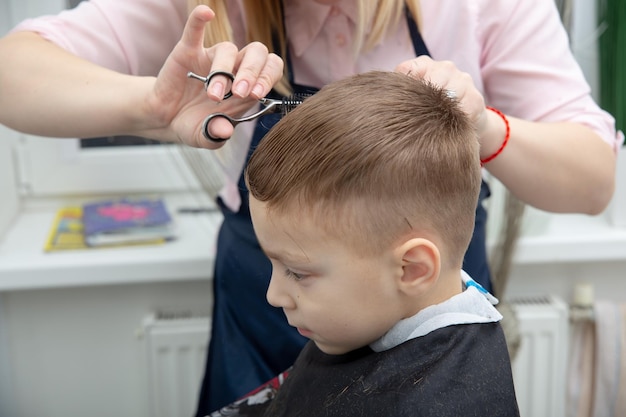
(447,286)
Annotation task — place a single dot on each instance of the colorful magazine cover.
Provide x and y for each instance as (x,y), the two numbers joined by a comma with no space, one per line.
(126,220)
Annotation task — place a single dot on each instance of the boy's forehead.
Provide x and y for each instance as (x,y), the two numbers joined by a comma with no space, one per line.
(287,234)
(274,231)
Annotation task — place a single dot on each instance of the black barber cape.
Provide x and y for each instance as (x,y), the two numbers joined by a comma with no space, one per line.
(459,370)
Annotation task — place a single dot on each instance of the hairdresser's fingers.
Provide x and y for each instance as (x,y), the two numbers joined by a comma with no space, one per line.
(271,74)
(460,85)
(416,67)
(193,33)
(219,129)
(257,71)
(251,60)
(189,54)
(440,73)
(446,75)
(223,57)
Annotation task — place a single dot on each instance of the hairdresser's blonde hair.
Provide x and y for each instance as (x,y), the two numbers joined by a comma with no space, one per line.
(374,158)
(265,22)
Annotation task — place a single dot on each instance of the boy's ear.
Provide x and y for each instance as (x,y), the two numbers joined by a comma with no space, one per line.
(421,265)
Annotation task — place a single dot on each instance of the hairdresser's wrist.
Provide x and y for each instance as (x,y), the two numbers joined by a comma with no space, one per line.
(492,135)
(147,115)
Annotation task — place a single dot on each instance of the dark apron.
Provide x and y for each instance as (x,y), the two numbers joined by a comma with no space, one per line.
(251,341)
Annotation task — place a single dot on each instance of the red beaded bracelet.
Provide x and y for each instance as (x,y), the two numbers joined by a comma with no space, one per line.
(506,137)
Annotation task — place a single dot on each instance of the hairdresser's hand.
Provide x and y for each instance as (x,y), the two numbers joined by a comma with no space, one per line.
(460,86)
(180,104)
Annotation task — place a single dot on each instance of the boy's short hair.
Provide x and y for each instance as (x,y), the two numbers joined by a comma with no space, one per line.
(374,158)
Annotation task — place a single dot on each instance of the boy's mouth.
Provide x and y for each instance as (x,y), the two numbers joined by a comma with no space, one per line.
(304,332)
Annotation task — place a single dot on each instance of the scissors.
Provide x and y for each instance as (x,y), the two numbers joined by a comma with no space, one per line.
(270,105)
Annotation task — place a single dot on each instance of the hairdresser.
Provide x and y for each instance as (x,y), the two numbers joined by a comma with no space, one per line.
(119,67)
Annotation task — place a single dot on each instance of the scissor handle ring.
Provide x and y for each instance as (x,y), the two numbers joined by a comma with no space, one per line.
(205,126)
(226,74)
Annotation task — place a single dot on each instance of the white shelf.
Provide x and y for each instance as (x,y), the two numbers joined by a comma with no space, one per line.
(572,238)
(24,264)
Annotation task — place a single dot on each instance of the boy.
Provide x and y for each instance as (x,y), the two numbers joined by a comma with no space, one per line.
(363,198)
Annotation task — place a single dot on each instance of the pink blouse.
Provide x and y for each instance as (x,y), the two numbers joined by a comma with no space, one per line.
(516,51)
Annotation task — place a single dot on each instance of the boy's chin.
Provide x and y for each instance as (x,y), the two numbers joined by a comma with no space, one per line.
(331,350)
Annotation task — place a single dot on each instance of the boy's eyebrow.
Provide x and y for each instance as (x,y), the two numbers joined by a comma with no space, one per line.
(282,256)
(285,256)
(300,256)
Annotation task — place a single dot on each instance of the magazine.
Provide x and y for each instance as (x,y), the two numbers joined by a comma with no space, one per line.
(126,221)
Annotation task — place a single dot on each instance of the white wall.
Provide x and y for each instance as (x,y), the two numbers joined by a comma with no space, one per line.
(583,39)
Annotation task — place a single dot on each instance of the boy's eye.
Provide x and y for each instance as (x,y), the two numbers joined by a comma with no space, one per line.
(294,275)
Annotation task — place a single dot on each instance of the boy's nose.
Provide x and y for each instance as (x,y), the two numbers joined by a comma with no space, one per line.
(277,296)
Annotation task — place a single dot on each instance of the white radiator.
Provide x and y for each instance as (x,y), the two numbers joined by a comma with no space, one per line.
(540,366)
(176,352)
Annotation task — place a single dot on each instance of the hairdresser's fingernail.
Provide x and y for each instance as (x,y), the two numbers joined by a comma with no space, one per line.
(257,91)
(241,89)
(217,89)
